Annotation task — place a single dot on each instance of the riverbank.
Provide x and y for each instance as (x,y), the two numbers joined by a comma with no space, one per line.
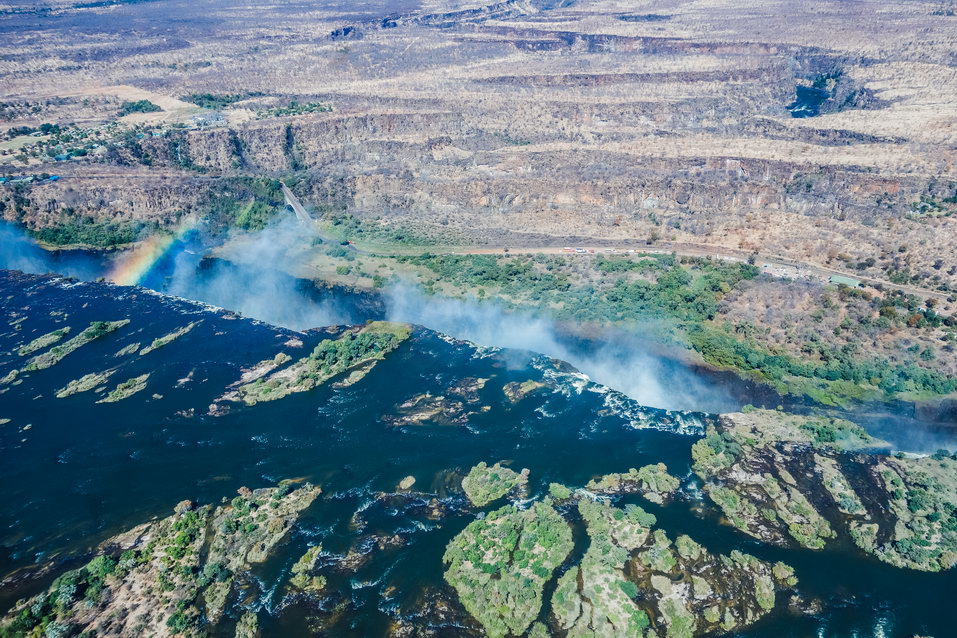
(837,344)
(830,346)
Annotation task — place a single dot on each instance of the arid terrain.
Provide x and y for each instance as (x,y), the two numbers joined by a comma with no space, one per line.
(528,120)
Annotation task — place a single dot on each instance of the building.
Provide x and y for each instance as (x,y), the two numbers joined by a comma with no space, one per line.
(850,282)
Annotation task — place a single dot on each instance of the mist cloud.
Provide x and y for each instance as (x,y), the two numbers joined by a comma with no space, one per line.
(624,365)
(253,281)
(18,251)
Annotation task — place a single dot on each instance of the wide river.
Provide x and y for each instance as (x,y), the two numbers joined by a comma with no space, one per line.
(76,472)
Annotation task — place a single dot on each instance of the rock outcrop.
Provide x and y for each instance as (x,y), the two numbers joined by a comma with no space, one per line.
(793,480)
(173,576)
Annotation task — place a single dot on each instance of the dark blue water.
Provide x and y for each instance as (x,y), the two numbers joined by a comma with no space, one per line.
(808,101)
(85,471)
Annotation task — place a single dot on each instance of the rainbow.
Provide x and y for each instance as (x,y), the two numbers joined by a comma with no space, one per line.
(132,268)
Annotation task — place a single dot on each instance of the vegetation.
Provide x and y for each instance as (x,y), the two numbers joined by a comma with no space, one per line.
(87,231)
(384,232)
(597,592)
(84,384)
(43,341)
(499,565)
(139,106)
(652,481)
(922,494)
(559,492)
(691,302)
(294,108)
(126,389)
(330,358)
(178,566)
(55,354)
(159,342)
(245,203)
(756,469)
(50,612)
(302,577)
(219,100)
(485,484)
(627,580)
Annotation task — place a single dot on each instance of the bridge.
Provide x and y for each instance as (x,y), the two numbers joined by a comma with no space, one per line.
(293,202)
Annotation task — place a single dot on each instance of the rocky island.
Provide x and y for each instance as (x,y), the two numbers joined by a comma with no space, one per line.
(355,348)
(170,577)
(633,580)
(794,480)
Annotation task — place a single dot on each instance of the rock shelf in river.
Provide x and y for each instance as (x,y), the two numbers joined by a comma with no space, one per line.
(795,480)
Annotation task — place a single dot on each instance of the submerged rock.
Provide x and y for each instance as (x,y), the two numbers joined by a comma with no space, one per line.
(516,391)
(425,408)
(468,388)
(432,613)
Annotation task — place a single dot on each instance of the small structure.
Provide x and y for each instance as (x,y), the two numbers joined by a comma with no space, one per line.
(850,282)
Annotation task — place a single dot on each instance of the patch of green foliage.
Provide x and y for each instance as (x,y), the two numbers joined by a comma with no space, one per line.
(219,100)
(139,106)
(294,108)
(51,357)
(499,565)
(681,299)
(248,203)
(837,432)
(782,371)
(43,341)
(689,294)
(87,231)
(51,610)
(485,484)
(383,231)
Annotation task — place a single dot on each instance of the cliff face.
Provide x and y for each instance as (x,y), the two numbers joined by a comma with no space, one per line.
(551,118)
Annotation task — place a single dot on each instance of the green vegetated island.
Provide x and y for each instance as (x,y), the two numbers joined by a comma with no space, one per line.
(53,352)
(636,580)
(632,580)
(356,350)
(53,355)
(516,568)
(172,576)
